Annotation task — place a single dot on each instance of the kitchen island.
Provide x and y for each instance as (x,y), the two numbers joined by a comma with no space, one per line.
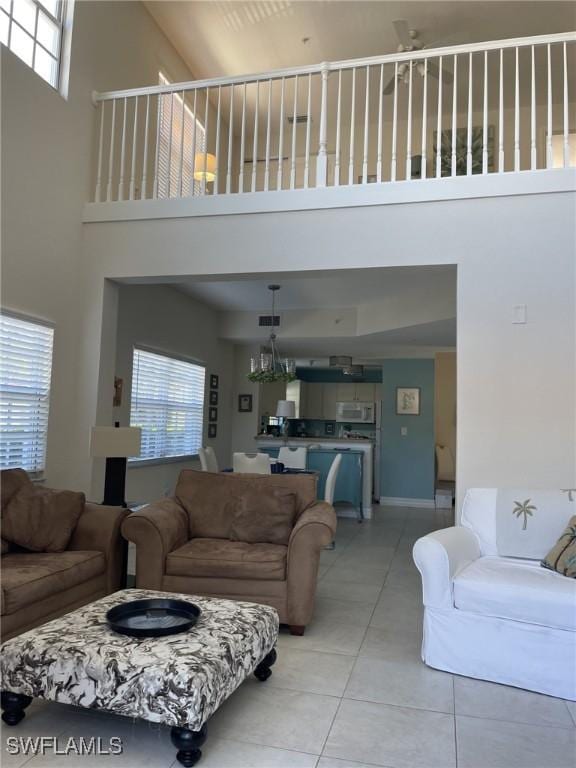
(354,484)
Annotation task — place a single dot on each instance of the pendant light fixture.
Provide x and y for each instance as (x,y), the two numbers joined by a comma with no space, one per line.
(269,365)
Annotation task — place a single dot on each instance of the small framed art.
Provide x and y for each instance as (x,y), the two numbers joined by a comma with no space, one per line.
(213,397)
(408,401)
(212,415)
(212,430)
(245,403)
(213,381)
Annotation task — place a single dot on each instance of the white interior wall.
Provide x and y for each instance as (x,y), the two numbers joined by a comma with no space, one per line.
(167,321)
(47,144)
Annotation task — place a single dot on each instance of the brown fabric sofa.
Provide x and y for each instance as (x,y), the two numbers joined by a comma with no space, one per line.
(186,543)
(39,586)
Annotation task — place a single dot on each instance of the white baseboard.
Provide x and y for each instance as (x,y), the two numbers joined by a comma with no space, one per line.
(399,501)
(352,512)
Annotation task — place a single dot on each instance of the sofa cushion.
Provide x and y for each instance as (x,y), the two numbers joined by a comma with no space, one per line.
(264,517)
(562,556)
(41,519)
(517,590)
(11,480)
(228,560)
(211,498)
(33,576)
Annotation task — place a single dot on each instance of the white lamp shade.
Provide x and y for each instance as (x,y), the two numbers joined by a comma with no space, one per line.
(204,167)
(115,442)
(286,409)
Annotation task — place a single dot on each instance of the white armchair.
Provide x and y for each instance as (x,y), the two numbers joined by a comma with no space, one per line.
(503,619)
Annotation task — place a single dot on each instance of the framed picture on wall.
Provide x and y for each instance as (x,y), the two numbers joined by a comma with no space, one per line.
(213,397)
(245,403)
(408,401)
(213,381)
(212,430)
(212,414)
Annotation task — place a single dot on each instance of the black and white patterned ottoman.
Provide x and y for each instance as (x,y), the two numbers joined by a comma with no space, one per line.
(178,680)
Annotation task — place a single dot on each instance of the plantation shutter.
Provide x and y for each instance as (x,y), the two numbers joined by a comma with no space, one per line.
(25,372)
(167,404)
(174,150)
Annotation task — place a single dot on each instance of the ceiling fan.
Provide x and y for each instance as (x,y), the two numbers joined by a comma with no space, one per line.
(409,40)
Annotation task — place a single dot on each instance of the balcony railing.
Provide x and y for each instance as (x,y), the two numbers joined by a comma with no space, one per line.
(474,109)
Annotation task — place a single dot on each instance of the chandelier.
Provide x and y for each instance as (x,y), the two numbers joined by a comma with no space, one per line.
(269,365)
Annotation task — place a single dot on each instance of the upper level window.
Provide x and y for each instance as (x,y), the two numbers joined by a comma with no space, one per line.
(167,404)
(35,30)
(182,137)
(25,372)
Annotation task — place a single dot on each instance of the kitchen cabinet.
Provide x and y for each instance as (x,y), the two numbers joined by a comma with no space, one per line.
(298,392)
(329,400)
(314,400)
(270,393)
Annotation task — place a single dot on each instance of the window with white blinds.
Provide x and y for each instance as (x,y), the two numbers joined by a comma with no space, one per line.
(167,404)
(176,152)
(25,373)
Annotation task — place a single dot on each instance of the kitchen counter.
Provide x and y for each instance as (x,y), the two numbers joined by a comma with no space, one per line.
(315,440)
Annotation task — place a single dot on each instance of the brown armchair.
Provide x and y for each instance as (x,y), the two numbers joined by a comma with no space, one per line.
(190,544)
(40,586)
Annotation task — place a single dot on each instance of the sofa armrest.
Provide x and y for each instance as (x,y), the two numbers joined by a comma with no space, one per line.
(439,557)
(157,530)
(99,529)
(314,530)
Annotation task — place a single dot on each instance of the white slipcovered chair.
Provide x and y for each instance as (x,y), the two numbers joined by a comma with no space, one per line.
(331,479)
(208,460)
(256,463)
(504,619)
(294,458)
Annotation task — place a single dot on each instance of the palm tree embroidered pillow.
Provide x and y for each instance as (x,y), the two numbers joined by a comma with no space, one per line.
(562,556)
(528,523)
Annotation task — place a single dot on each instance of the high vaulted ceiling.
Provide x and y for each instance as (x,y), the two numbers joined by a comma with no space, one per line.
(232,37)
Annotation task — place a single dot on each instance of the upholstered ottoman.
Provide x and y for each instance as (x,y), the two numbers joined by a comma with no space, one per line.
(178,680)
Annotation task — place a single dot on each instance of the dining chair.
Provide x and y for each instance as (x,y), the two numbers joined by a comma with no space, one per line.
(255,463)
(208,460)
(295,458)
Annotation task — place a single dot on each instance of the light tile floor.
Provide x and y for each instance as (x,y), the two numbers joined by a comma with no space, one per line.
(351,693)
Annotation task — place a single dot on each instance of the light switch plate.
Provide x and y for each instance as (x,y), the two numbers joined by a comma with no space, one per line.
(519,314)
(404,431)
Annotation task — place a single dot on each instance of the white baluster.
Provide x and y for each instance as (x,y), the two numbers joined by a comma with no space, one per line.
(517,114)
(566,141)
(134,141)
(366,117)
(409,125)
(424,121)
(352,123)
(501,115)
(255,142)
(338,111)
(170,131)
(268,120)
(206,135)
(549,161)
(469,125)
(217,151)
(242,140)
(308,123)
(230,143)
(379,149)
(155,184)
(485,117)
(98,190)
(194,130)
(533,156)
(322,157)
(181,158)
(454,116)
(281,138)
(439,123)
(394,124)
(145,156)
(123,152)
(293,154)
(111,153)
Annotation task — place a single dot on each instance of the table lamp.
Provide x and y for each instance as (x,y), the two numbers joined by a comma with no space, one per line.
(115,444)
(286,409)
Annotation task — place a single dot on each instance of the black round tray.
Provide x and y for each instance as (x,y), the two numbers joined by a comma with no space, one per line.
(155,617)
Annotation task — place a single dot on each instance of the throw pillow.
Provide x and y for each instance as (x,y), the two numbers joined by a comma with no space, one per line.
(42,519)
(264,516)
(562,556)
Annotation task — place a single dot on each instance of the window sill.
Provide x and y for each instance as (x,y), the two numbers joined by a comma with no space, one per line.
(141,463)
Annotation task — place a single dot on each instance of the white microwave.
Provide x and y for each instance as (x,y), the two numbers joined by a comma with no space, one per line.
(356,413)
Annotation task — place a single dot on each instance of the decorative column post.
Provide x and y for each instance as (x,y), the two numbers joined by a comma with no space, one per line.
(322,159)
